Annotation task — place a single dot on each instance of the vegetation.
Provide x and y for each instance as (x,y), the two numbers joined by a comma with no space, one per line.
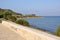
(1,16)
(7,14)
(22,22)
(57,31)
(0,20)
(30,15)
(12,16)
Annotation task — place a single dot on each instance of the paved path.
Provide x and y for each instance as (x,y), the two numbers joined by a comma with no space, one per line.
(7,34)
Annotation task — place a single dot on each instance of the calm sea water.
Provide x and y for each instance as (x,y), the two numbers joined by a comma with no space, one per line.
(48,23)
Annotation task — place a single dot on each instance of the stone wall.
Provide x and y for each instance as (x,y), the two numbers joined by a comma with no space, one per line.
(29,33)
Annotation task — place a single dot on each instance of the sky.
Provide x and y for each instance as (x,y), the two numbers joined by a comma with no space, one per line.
(38,7)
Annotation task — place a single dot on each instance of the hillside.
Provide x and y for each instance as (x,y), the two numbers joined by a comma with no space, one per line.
(3,11)
(18,15)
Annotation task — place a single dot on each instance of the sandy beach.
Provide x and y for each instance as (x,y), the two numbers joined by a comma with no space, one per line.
(7,34)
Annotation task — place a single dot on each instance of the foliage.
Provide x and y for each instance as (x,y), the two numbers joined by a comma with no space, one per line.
(7,14)
(0,20)
(1,15)
(30,15)
(12,18)
(22,22)
(8,11)
(58,31)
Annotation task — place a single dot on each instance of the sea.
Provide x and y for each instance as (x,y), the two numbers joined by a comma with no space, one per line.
(48,23)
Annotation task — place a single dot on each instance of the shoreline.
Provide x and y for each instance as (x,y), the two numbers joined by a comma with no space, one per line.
(34,17)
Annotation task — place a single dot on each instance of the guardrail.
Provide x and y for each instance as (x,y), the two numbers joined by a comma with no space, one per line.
(29,33)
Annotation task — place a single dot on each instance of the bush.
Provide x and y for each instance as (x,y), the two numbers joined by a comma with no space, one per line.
(0,21)
(1,15)
(5,15)
(22,22)
(12,18)
(58,31)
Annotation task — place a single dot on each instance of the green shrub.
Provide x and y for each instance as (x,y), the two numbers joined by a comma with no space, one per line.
(57,31)
(0,21)
(12,18)
(22,22)
(6,14)
(1,15)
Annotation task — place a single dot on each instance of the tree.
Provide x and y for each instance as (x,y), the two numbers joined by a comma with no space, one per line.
(58,31)
(22,22)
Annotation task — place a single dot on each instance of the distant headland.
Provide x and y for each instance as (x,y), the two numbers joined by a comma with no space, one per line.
(16,14)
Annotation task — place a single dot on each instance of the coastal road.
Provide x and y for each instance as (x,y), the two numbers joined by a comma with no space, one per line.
(7,34)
